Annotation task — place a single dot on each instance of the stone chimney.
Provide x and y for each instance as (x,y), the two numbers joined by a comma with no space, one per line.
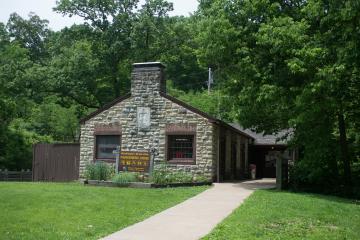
(147,79)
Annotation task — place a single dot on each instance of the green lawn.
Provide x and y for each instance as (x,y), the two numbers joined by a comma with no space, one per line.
(269,214)
(73,211)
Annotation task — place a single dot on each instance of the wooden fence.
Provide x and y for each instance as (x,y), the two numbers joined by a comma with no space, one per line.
(56,162)
(19,176)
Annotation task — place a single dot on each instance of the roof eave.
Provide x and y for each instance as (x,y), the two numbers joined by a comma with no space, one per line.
(270,144)
(105,107)
(173,99)
(205,115)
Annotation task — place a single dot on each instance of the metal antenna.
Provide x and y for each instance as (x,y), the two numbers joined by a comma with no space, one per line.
(210,80)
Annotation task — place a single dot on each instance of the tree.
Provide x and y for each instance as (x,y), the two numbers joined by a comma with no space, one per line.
(74,75)
(182,66)
(29,34)
(119,35)
(289,64)
(112,23)
(149,33)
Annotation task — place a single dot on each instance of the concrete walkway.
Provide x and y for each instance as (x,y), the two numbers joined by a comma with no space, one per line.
(195,217)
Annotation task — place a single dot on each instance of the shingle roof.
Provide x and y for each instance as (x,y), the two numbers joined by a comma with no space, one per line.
(261,139)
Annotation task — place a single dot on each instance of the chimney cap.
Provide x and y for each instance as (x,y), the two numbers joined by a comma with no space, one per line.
(148,64)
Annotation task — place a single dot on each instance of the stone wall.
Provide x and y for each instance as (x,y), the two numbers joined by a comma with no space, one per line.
(163,112)
(147,83)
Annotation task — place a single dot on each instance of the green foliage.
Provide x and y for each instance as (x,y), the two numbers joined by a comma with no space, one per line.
(16,144)
(162,174)
(290,65)
(214,103)
(125,177)
(54,120)
(99,171)
(29,34)
(74,74)
(58,211)
(277,65)
(182,66)
(201,179)
(49,80)
(284,215)
(151,19)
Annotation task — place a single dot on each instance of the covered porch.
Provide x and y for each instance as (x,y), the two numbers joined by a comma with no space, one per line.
(238,150)
(233,156)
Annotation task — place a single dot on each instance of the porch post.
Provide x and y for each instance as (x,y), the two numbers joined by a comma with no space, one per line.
(218,154)
(246,170)
(238,156)
(228,155)
(279,173)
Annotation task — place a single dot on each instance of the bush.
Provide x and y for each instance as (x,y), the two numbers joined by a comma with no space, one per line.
(125,177)
(317,180)
(202,178)
(305,176)
(162,175)
(181,177)
(99,171)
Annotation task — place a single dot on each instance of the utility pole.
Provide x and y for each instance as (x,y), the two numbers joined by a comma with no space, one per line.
(210,80)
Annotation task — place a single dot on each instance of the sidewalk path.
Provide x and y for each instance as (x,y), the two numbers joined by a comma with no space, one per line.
(195,217)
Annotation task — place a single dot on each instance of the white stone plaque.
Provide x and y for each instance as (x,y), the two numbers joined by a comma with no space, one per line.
(143,118)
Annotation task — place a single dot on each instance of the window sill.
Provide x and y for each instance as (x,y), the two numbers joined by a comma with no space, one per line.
(182,161)
(105,160)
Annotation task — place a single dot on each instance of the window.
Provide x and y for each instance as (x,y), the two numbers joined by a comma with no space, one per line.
(181,148)
(105,145)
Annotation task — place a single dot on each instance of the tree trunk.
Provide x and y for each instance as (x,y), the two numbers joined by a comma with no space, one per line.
(116,87)
(344,153)
(147,45)
(115,81)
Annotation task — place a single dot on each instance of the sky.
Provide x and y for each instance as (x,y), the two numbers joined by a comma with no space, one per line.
(43,8)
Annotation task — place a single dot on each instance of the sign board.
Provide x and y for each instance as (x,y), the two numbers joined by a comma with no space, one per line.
(143,118)
(135,161)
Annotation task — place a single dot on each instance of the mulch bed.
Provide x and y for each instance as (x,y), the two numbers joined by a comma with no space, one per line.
(143,185)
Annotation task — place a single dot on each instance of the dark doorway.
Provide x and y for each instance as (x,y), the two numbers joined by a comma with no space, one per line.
(264,157)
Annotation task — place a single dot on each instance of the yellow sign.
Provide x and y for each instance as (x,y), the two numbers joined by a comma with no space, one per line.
(135,161)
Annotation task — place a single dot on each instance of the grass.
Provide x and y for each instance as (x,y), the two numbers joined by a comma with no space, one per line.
(269,214)
(73,211)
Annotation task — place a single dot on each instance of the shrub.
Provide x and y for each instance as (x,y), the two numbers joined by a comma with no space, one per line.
(304,176)
(125,177)
(162,175)
(90,172)
(181,177)
(202,178)
(159,175)
(99,171)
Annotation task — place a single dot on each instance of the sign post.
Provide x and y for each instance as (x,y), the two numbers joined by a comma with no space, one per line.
(117,155)
(154,152)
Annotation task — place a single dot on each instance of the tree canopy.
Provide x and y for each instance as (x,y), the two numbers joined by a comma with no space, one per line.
(278,64)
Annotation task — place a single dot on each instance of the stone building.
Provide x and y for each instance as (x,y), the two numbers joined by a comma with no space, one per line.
(183,136)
